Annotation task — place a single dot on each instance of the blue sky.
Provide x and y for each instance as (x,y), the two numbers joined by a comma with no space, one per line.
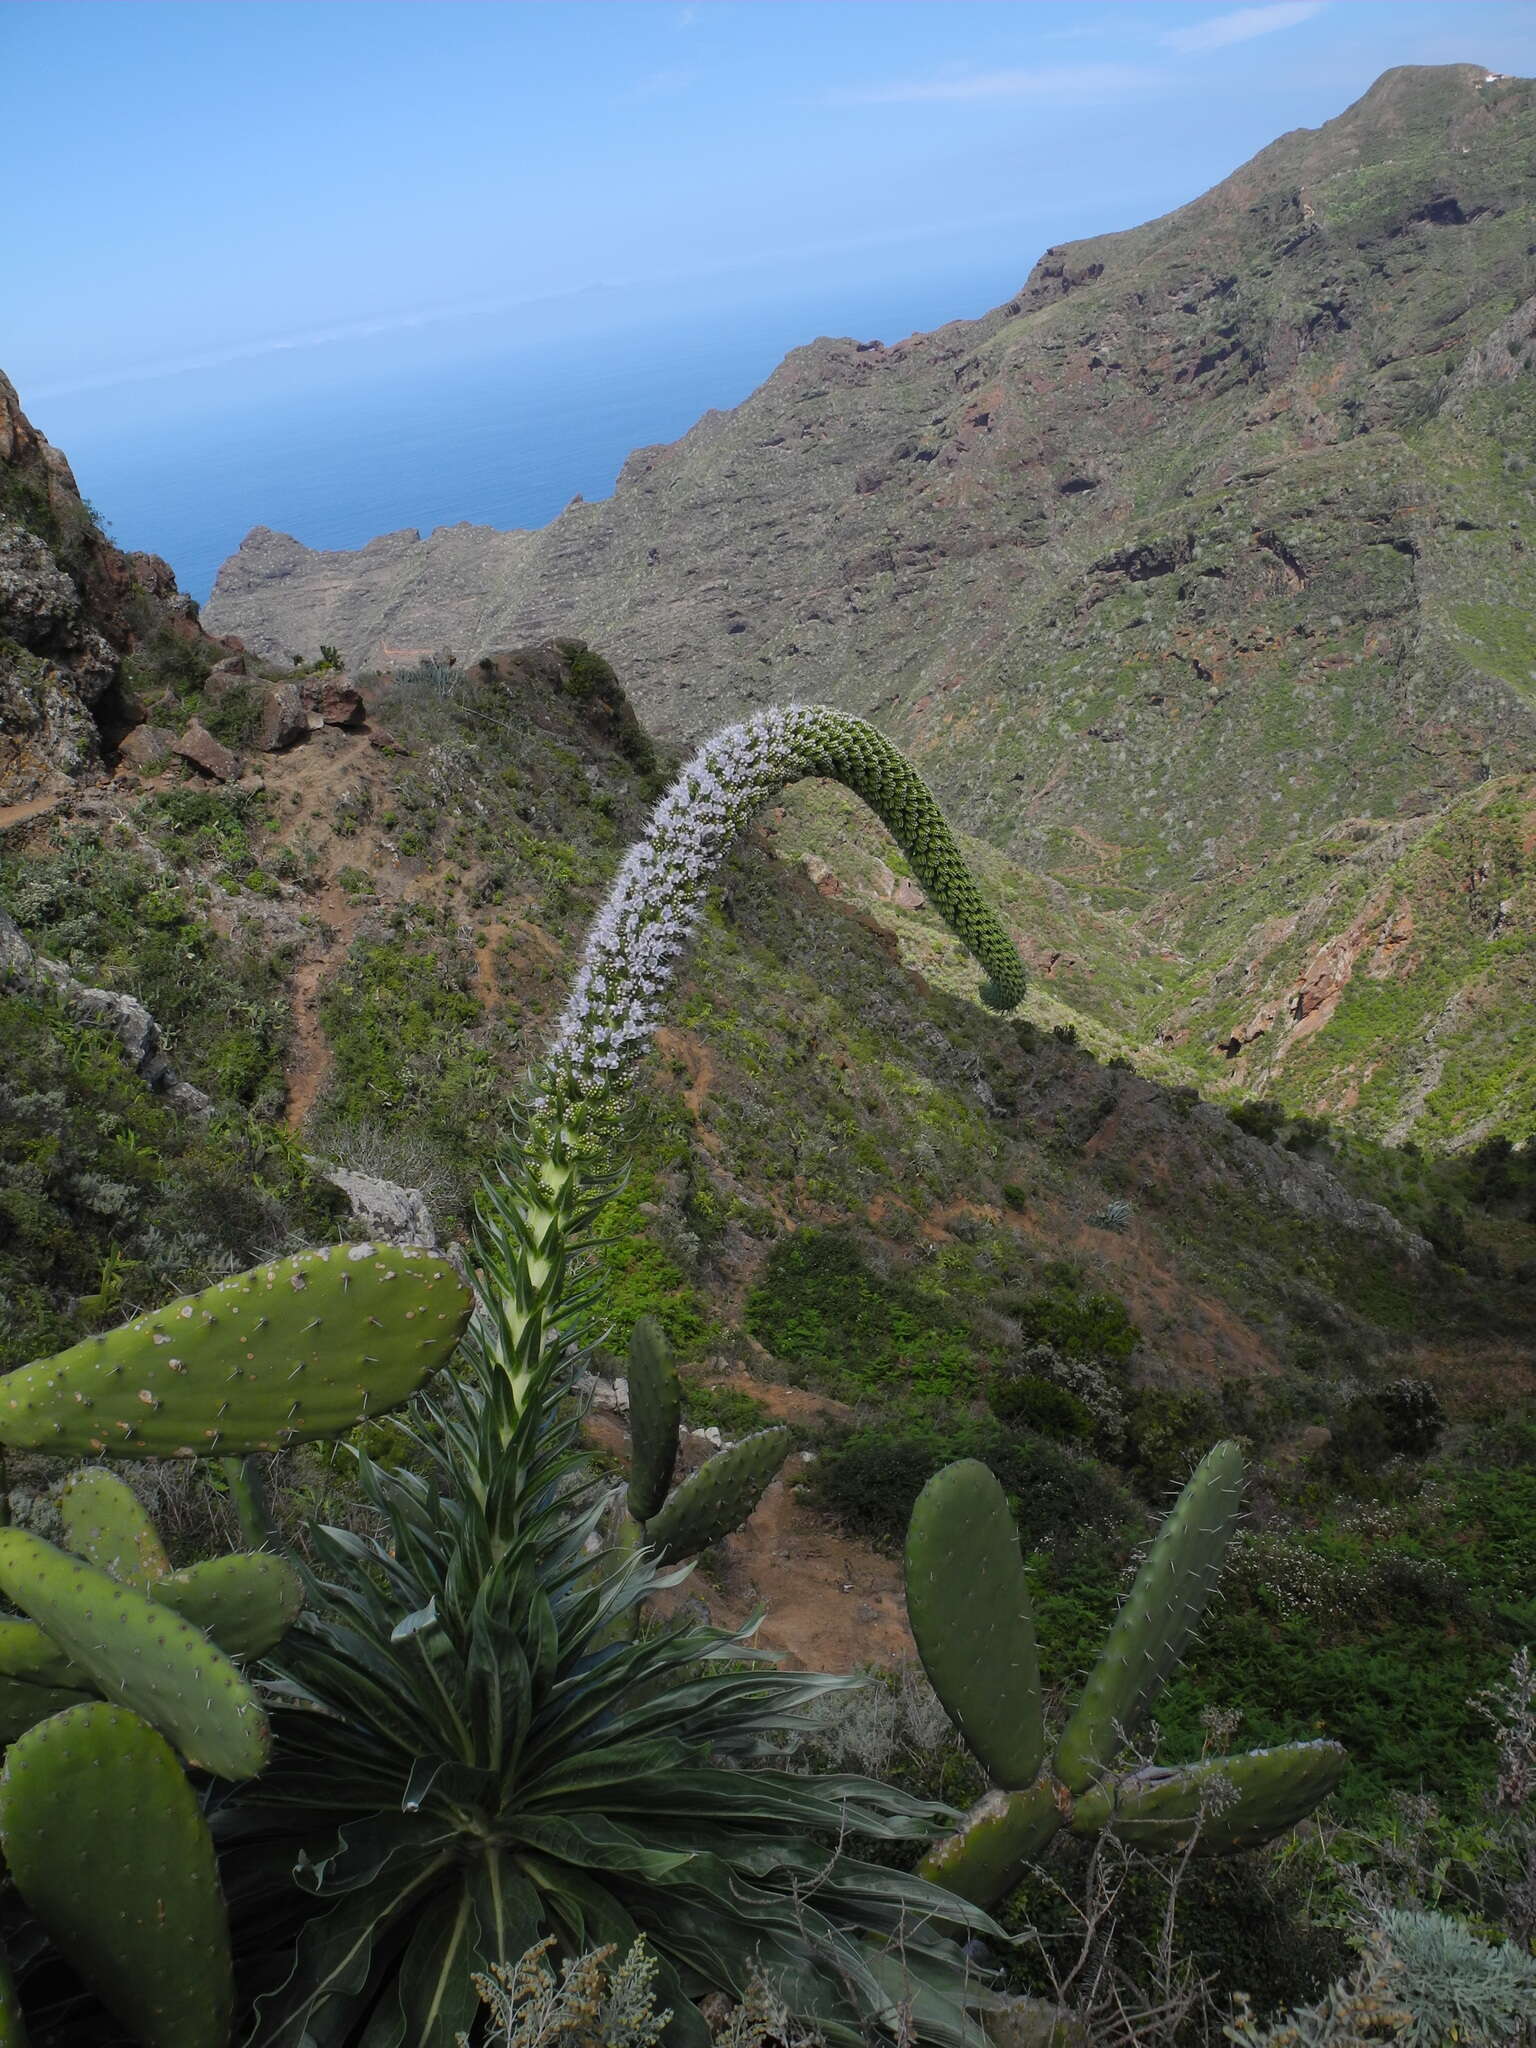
(210,183)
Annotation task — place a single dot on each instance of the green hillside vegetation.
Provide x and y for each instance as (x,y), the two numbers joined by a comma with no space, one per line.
(982,1238)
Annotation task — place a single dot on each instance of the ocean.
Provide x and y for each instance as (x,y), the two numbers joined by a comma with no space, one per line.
(498,417)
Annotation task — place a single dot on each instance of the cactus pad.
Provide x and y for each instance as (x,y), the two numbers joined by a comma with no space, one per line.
(105,1522)
(1160,1614)
(1230,1802)
(304,1347)
(138,1653)
(107,1845)
(247,1602)
(1003,1832)
(968,1602)
(718,1498)
(655,1411)
(30,1654)
(22,1706)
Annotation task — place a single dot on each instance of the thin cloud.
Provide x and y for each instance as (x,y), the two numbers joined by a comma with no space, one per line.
(1046,81)
(1241,26)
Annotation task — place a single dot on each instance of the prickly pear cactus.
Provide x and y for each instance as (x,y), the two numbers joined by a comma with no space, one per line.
(305,1347)
(23,1705)
(246,1602)
(139,1654)
(1157,1619)
(107,1845)
(1236,1802)
(720,1496)
(655,1416)
(968,1601)
(29,1653)
(107,1524)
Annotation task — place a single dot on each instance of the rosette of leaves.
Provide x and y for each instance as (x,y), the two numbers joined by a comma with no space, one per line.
(474,1751)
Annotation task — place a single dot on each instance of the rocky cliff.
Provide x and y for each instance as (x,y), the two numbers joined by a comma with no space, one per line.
(1215,541)
(73,610)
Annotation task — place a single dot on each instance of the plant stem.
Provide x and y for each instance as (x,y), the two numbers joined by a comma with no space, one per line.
(248,1491)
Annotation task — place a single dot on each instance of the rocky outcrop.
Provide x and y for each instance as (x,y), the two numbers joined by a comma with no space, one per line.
(387,1211)
(22,968)
(199,746)
(71,607)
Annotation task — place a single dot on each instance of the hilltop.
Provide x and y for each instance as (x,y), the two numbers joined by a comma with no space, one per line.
(1198,577)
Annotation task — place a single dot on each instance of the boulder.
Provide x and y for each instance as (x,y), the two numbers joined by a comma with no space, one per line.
(283,717)
(198,745)
(384,1208)
(340,704)
(146,747)
(231,673)
(906,895)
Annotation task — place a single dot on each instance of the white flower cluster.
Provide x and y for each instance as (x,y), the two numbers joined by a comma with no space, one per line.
(642,933)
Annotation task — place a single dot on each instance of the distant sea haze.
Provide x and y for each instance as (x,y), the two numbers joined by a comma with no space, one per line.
(486,421)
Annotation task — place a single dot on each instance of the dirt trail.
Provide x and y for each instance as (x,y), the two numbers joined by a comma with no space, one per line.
(34,807)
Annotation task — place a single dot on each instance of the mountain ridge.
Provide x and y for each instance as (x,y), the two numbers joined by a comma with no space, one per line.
(1215,541)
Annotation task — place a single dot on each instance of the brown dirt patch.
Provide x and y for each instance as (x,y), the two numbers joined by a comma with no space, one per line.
(832,1604)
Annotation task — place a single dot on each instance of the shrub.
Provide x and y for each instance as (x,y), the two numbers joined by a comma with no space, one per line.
(869,1478)
(1029,1402)
(1088,1326)
(819,1305)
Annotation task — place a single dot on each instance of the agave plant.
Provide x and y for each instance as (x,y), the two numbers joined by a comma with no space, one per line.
(473,1751)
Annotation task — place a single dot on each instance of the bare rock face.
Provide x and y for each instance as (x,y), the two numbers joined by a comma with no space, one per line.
(71,606)
(284,721)
(198,745)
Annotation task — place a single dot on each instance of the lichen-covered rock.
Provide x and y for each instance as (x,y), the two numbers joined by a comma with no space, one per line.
(388,1211)
(146,747)
(22,967)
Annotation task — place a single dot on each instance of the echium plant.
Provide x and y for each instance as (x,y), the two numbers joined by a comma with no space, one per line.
(476,1748)
(643,931)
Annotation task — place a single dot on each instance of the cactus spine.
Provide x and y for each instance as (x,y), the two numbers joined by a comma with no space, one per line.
(107,1845)
(968,1599)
